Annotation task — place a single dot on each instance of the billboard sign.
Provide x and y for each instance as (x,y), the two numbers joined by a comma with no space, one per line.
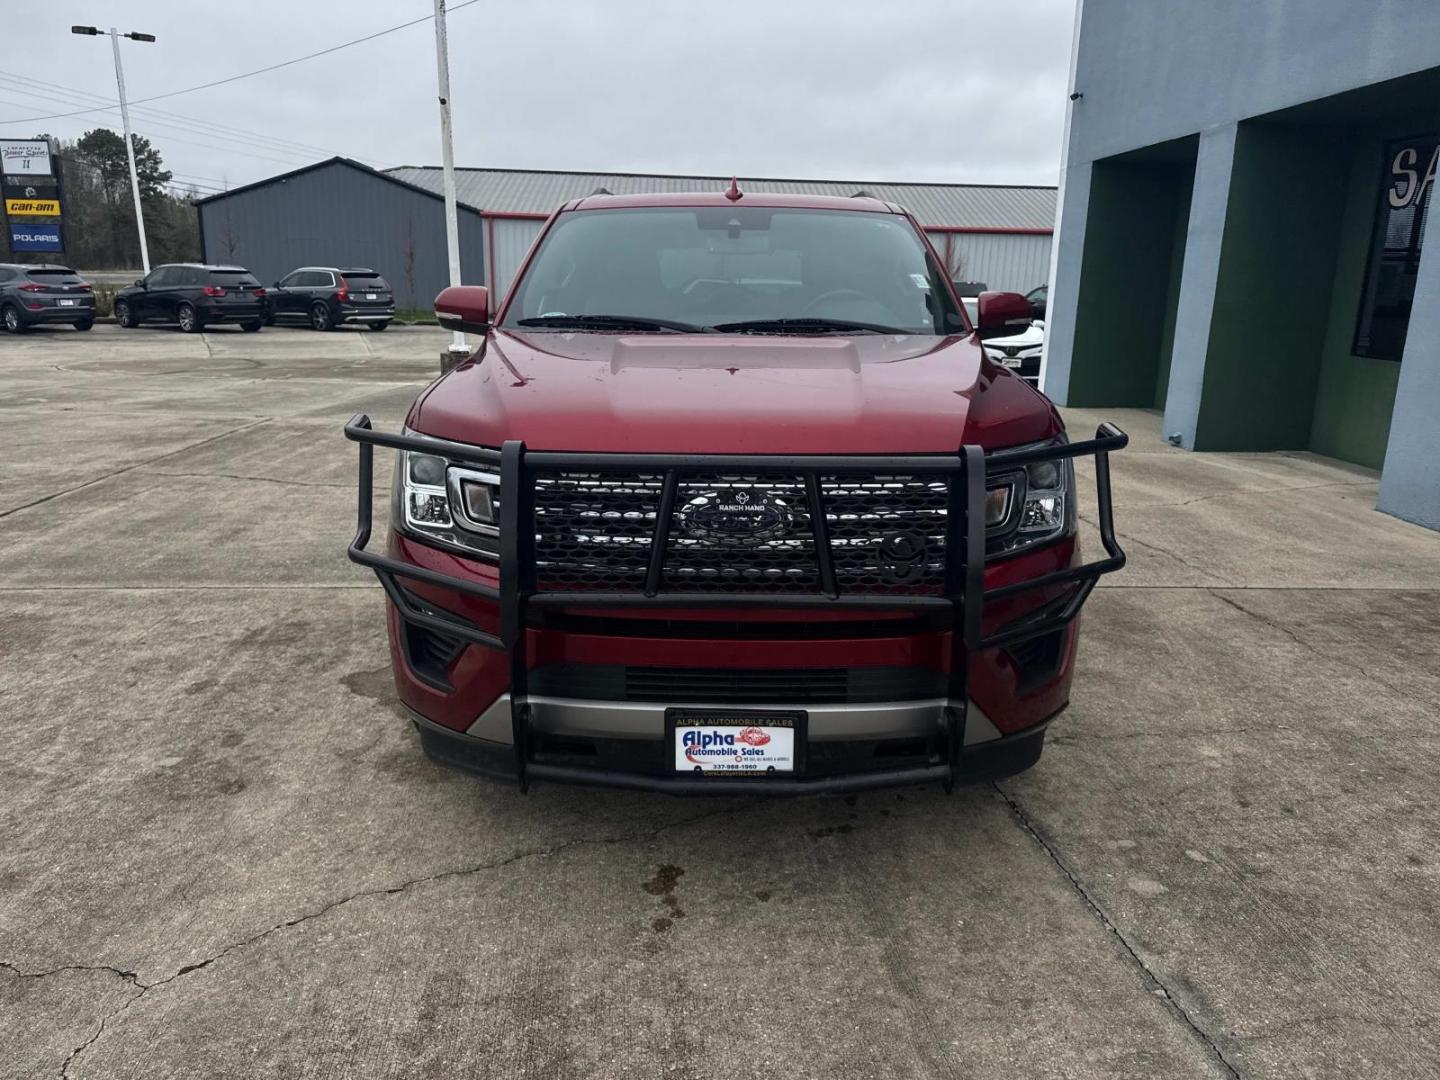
(32,207)
(39,237)
(25,157)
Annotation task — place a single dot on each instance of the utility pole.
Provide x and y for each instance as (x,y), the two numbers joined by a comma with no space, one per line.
(458,349)
(115,36)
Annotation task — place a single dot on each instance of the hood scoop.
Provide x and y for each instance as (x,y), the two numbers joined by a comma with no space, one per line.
(734,352)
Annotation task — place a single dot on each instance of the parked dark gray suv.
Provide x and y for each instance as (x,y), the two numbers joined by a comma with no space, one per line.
(44,294)
(324,297)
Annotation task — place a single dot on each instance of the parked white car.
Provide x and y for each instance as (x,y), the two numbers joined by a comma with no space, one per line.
(1018,351)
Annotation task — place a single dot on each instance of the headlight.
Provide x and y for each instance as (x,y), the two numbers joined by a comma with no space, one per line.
(1044,512)
(448,504)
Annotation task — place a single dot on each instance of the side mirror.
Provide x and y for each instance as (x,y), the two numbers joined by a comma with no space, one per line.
(139,283)
(464,307)
(1002,313)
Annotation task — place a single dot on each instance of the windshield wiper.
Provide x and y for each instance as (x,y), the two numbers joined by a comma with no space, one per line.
(612,322)
(804,325)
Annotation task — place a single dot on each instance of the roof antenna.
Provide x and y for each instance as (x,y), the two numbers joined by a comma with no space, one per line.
(734,194)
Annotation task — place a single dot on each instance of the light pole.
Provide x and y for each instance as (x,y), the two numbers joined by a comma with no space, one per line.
(115,36)
(458,348)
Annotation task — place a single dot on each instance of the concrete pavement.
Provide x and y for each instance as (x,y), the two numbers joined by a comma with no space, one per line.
(221,853)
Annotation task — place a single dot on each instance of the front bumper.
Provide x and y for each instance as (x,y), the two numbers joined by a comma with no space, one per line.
(497,759)
(943,728)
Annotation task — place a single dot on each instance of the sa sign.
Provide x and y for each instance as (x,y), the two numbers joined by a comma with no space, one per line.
(25,157)
(1412,172)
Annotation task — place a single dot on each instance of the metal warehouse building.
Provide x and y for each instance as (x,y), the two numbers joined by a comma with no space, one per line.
(1242,230)
(339,212)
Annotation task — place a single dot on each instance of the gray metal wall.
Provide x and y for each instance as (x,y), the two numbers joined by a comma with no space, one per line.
(1013,262)
(511,239)
(340,216)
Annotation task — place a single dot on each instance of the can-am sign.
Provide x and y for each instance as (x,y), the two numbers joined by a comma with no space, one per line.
(25,157)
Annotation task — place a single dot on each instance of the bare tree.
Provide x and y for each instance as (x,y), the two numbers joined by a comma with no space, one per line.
(407,263)
(229,242)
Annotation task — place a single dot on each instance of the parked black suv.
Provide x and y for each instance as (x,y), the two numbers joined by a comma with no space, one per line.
(194,296)
(326,296)
(44,294)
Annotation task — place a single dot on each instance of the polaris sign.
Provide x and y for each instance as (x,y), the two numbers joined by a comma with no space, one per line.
(38,237)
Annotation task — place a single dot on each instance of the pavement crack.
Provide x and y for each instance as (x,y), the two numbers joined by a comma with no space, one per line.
(121,973)
(1159,551)
(1260,491)
(1147,974)
(144,988)
(255,479)
(1311,649)
(131,468)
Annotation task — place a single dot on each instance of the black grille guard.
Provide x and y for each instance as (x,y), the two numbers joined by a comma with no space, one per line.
(960,604)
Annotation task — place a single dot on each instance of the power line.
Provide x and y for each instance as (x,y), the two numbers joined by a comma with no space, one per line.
(250,151)
(209,126)
(250,74)
(290,155)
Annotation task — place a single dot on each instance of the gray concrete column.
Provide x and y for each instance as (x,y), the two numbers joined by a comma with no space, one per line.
(1410,482)
(1062,304)
(1199,278)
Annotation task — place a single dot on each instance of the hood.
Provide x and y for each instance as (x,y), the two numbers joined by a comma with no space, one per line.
(745,394)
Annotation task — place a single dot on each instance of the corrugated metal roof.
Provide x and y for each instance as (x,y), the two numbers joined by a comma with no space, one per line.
(518,191)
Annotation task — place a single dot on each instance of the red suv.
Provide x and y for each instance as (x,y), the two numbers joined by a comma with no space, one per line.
(729,499)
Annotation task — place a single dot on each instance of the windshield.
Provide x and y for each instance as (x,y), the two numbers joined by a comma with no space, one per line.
(734,269)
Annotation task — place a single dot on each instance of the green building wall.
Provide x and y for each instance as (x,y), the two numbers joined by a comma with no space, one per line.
(1355,394)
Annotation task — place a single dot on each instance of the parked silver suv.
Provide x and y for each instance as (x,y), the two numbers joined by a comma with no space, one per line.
(44,294)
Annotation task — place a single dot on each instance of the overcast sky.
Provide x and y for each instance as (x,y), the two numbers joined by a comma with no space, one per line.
(955,90)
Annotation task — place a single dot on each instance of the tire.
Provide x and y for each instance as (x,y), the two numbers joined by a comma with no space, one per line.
(10,318)
(124,318)
(320,318)
(378,326)
(187,318)
(85,324)
(1008,759)
(252,327)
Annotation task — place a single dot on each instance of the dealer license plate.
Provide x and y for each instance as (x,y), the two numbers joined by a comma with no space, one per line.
(67,303)
(735,742)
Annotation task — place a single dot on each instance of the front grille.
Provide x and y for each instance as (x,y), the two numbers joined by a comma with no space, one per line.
(736,686)
(594,532)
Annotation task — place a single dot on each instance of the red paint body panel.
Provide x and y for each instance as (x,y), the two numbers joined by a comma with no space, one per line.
(705,393)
